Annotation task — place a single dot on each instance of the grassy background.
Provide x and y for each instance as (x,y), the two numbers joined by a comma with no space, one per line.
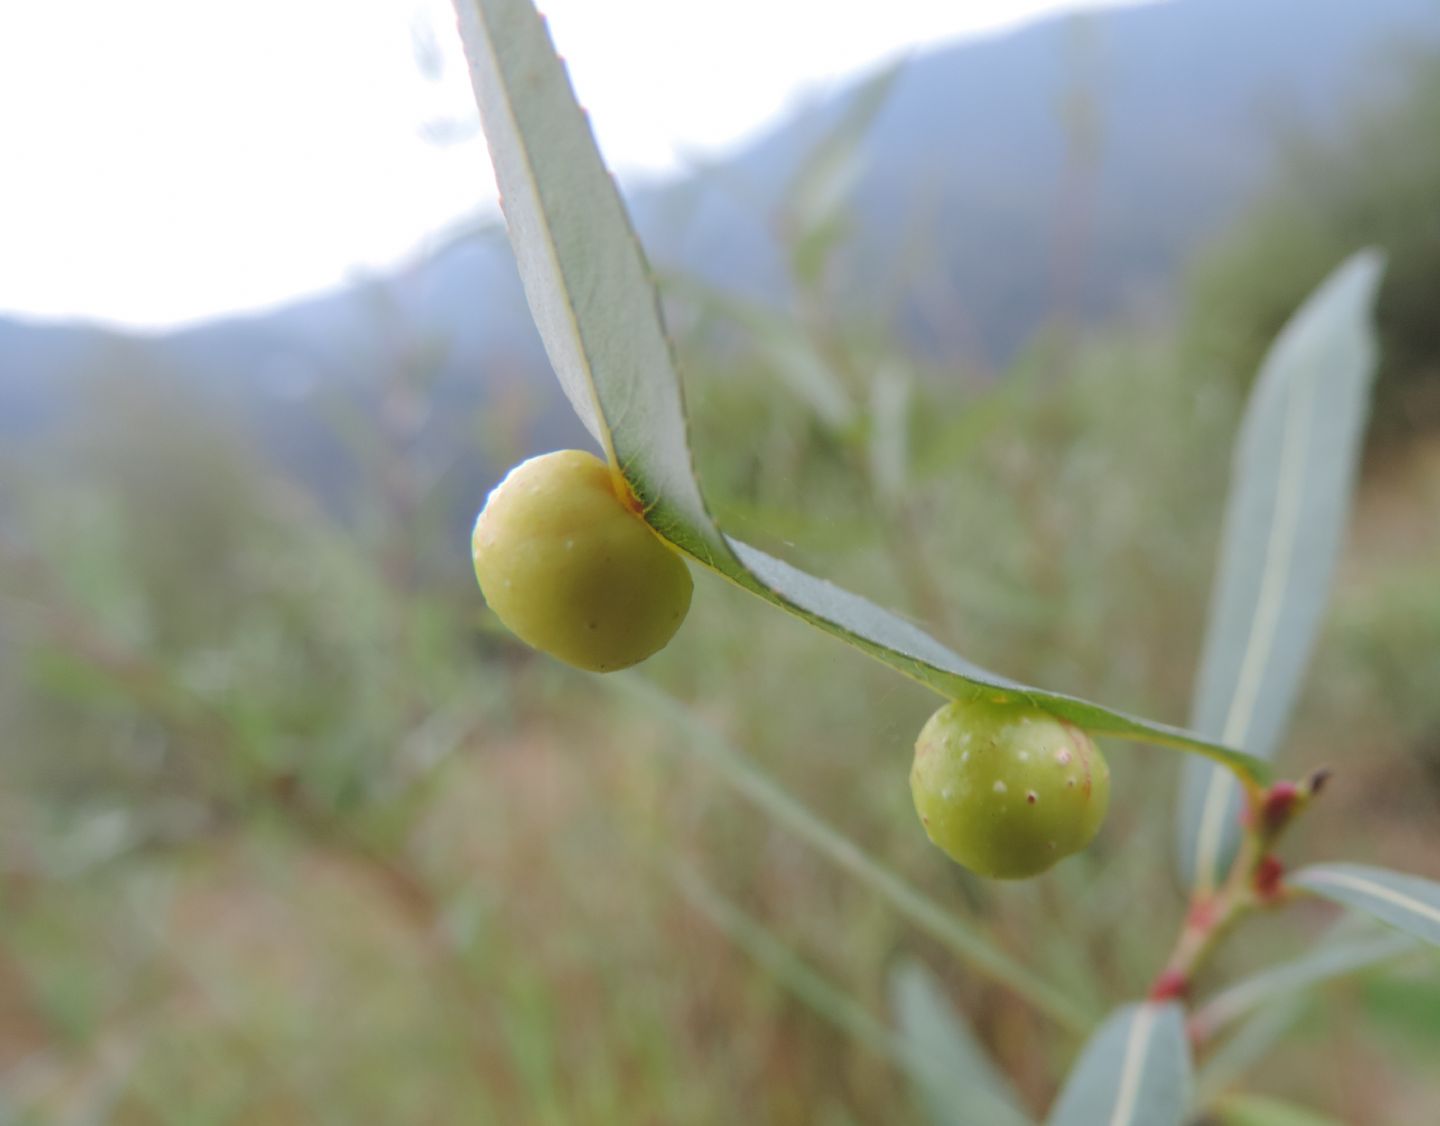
(291,831)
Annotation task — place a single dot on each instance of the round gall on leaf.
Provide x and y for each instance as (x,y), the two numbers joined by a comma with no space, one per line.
(1006,789)
(568,565)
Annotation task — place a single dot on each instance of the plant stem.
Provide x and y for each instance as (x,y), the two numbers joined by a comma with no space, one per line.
(1207,920)
(1254,881)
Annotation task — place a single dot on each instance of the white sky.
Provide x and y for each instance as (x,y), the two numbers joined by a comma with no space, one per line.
(167,160)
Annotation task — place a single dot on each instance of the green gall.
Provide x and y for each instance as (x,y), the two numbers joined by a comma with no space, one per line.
(1006,789)
(565,560)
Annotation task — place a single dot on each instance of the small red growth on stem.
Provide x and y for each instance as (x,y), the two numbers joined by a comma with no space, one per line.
(1278,805)
(1171,985)
(1268,875)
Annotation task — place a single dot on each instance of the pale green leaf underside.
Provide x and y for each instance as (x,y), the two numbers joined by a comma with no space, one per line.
(1324,963)
(1247,1047)
(1294,471)
(957,1081)
(1407,902)
(1135,1071)
(594,300)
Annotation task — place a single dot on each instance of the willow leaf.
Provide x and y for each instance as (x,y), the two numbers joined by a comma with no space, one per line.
(1294,472)
(957,1081)
(594,299)
(1320,964)
(1135,1071)
(830,1001)
(1408,903)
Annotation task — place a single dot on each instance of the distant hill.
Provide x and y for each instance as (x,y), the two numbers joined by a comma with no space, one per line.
(969,155)
(969,194)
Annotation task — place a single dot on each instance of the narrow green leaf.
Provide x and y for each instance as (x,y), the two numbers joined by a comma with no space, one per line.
(828,175)
(958,1083)
(788,968)
(1289,499)
(585,276)
(910,650)
(1405,902)
(1247,1047)
(594,301)
(1253,1110)
(816,211)
(1324,963)
(1135,1071)
(826,999)
(889,447)
(965,940)
(791,354)
(1267,1006)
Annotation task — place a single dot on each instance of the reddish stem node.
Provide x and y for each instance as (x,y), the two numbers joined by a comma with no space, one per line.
(1278,805)
(1268,876)
(1171,985)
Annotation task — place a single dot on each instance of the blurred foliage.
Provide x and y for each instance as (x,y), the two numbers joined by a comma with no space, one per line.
(1371,179)
(290,831)
(1391,636)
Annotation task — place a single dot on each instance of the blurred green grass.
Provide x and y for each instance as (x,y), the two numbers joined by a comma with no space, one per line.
(291,831)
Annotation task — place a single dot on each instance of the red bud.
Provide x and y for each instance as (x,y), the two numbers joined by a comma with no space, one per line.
(1268,876)
(1278,805)
(1171,985)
